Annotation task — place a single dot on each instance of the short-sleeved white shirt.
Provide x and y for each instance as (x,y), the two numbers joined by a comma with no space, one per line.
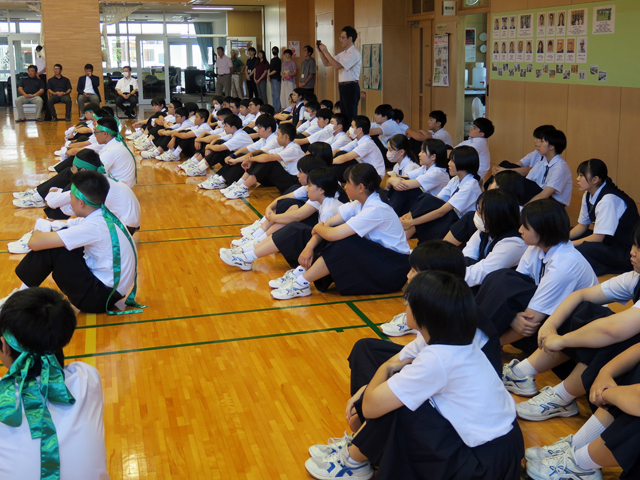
(338,141)
(309,127)
(609,211)
(238,140)
(119,162)
(405,166)
(432,180)
(620,289)
(531,159)
(389,129)
(200,129)
(376,221)
(351,61)
(459,381)
(566,271)
(265,144)
(248,118)
(322,135)
(125,84)
(289,157)
(369,153)
(464,199)
(559,178)
(79,427)
(225,65)
(481,146)
(93,234)
(505,254)
(327,209)
(443,135)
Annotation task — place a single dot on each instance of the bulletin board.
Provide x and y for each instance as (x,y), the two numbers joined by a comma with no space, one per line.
(583,44)
(372,66)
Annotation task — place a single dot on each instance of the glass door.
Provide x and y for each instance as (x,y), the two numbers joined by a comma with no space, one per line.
(22,53)
(152,67)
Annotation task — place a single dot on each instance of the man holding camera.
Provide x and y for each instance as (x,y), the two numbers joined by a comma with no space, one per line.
(348,64)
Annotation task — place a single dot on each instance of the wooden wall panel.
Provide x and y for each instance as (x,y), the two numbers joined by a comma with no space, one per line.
(628,164)
(506,112)
(246,24)
(544,104)
(508,5)
(547,3)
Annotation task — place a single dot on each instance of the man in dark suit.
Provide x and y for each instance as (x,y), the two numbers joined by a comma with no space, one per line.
(88,89)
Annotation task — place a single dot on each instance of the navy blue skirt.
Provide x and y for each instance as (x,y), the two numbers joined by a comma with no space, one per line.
(436,229)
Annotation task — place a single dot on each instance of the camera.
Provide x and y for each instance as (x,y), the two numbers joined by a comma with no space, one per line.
(318,43)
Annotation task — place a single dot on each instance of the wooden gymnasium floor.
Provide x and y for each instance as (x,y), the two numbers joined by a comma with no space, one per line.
(215,380)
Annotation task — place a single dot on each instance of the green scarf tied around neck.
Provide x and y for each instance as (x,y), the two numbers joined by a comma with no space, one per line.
(35,397)
(118,136)
(112,223)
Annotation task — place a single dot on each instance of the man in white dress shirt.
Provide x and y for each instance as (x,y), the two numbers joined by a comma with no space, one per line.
(348,64)
(87,89)
(127,91)
(225,67)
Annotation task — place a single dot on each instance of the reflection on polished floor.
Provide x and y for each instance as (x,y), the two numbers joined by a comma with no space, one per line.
(215,379)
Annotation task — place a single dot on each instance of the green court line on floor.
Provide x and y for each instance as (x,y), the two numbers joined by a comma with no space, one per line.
(185,239)
(187,228)
(241,312)
(246,202)
(366,320)
(213,342)
(157,184)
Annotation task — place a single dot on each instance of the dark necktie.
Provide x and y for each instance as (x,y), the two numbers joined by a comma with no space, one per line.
(543,267)
(546,172)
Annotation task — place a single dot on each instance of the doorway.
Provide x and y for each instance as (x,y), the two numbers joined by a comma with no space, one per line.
(421,76)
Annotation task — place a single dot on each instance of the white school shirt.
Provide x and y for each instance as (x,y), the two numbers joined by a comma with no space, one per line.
(505,254)
(327,209)
(79,427)
(405,166)
(459,381)
(403,127)
(480,144)
(204,127)
(88,86)
(351,61)
(188,123)
(289,157)
(464,199)
(338,141)
(608,212)
(238,140)
(620,289)
(566,271)
(368,152)
(248,118)
(309,127)
(531,159)
(322,135)
(559,178)
(376,221)
(389,129)
(124,84)
(265,144)
(432,180)
(443,135)
(93,234)
(41,64)
(169,119)
(119,162)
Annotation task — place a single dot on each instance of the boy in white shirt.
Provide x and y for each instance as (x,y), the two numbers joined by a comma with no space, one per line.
(435,129)
(183,141)
(325,132)
(339,138)
(310,124)
(68,442)
(363,148)
(480,132)
(398,117)
(552,175)
(160,141)
(383,127)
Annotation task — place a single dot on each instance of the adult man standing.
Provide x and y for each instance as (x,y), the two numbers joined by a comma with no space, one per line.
(238,75)
(127,91)
(59,88)
(225,67)
(41,65)
(308,70)
(348,64)
(88,89)
(275,67)
(30,89)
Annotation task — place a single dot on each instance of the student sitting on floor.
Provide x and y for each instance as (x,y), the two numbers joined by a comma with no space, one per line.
(431,177)
(325,132)
(310,124)
(164,135)
(140,127)
(480,132)
(205,139)
(582,330)
(83,258)
(294,240)
(365,251)
(51,414)
(398,117)
(183,140)
(431,217)
(435,130)
(614,215)
(362,147)
(276,168)
(436,409)
(518,302)
(609,438)
(339,127)
(383,127)
(552,174)
(401,157)
(163,121)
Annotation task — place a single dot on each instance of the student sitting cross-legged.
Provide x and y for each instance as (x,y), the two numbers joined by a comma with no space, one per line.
(435,409)
(51,414)
(362,148)
(94,263)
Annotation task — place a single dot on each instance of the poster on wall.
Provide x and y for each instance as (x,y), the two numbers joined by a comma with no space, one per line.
(503,51)
(570,56)
(582,50)
(561,27)
(540,51)
(577,22)
(551,24)
(496,52)
(294,46)
(371,66)
(528,54)
(526,26)
(542,24)
(504,28)
(441,60)
(366,56)
(496,27)
(512,26)
(470,45)
(604,20)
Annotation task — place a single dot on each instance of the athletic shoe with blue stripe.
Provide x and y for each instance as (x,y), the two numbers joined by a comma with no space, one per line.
(561,466)
(538,453)
(333,445)
(523,386)
(338,465)
(546,405)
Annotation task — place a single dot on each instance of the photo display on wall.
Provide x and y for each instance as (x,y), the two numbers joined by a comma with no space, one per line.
(372,66)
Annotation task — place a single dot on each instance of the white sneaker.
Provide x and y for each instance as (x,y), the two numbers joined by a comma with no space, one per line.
(523,386)
(245,241)
(135,135)
(235,259)
(397,327)
(291,289)
(538,453)
(198,170)
(237,192)
(282,281)
(146,144)
(333,445)
(150,153)
(4,300)
(52,168)
(29,202)
(26,193)
(214,182)
(244,231)
(546,405)
(192,162)
(561,466)
(58,225)
(20,246)
(228,189)
(337,465)
(58,153)
(168,157)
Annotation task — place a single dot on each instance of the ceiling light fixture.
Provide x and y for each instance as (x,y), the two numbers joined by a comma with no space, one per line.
(211,8)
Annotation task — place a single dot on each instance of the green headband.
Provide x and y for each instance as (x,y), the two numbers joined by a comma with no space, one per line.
(79,163)
(35,397)
(118,136)
(112,223)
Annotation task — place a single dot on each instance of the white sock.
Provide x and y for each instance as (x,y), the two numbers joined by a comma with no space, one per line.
(302,281)
(562,393)
(583,459)
(36,195)
(591,430)
(22,287)
(524,369)
(299,271)
(251,256)
(260,235)
(248,248)
(240,182)
(353,463)
(176,151)
(203,165)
